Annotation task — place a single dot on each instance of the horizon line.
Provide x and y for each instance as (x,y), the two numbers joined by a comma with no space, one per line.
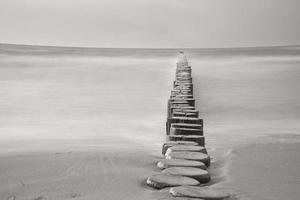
(87,47)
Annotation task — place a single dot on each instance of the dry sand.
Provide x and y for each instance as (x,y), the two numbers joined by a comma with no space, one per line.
(76,175)
(268,168)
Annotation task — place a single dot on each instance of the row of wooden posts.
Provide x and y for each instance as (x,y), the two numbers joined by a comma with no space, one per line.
(185,158)
(183,122)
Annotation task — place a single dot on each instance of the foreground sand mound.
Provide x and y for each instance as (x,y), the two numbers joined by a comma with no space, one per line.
(199,174)
(163,164)
(199,192)
(160,181)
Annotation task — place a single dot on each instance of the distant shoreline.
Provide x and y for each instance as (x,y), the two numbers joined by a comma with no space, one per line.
(150,48)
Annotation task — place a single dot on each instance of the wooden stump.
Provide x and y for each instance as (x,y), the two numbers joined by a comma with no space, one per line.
(181,148)
(160,181)
(199,174)
(185,131)
(193,138)
(199,192)
(188,155)
(167,163)
(172,143)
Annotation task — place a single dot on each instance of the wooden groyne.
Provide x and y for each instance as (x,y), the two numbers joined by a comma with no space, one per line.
(185,158)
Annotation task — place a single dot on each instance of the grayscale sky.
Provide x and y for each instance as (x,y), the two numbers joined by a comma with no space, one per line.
(150,23)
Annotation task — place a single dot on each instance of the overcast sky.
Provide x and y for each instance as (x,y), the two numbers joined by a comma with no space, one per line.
(150,23)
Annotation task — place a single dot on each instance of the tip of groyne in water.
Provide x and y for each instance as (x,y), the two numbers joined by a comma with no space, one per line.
(185,142)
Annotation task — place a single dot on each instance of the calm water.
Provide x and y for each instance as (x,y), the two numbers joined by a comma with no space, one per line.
(121,94)
(116,98)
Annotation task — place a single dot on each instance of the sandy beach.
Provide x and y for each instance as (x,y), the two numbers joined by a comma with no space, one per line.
(89,123)
(76,175)
(266,169)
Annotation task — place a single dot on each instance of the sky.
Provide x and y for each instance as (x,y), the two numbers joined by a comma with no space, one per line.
(150,23)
